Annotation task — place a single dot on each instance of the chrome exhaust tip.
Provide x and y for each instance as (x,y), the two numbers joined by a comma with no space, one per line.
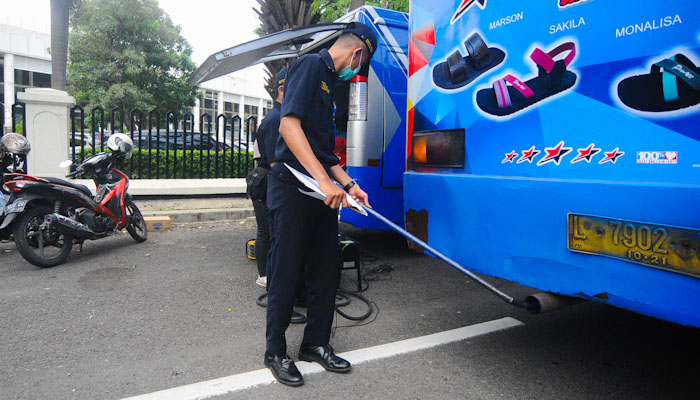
(539,303)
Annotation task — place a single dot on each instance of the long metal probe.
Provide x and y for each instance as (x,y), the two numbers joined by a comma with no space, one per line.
(446,259)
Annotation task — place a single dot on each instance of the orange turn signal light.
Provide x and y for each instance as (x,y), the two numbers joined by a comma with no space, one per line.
(439,149)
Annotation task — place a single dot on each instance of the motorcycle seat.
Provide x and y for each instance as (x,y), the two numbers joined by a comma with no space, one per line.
(64,182)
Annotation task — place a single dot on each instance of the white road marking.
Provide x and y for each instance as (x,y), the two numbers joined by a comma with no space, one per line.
(247,380)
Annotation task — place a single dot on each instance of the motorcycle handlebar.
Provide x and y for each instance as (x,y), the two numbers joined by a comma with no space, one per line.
(74,173)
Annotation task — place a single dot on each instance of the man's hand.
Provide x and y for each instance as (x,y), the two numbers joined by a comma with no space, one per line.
(358,194)
(335,196)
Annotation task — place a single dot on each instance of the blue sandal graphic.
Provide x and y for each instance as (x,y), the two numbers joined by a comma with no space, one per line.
(459,71)
(672,84)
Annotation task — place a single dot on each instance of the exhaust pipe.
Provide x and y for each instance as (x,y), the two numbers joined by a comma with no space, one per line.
(542,302)
(69,226)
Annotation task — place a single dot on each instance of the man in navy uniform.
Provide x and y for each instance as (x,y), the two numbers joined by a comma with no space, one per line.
(266,141)
(304,230)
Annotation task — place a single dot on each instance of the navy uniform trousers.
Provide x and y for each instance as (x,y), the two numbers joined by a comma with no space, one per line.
(304,234)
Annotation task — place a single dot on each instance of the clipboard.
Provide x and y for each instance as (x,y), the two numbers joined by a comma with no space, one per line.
(316,192)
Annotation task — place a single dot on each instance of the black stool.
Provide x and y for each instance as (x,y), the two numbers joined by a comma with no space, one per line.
(350,251)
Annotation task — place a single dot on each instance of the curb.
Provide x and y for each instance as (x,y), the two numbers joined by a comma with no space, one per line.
(207,215)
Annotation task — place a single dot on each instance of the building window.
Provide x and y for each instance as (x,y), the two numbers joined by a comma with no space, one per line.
(250,111)
(228,106)
(209,106)
(42,80)
(22,77)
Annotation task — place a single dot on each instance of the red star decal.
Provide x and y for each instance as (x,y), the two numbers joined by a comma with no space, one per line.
(510,157)
(554,154)
(612,156)
(528,155)
(464,6)
(586,154)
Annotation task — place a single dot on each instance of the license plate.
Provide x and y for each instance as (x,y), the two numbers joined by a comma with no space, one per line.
(660,246)
(16,207)
(3,200)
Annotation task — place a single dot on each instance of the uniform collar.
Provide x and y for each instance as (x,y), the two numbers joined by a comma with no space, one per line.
(327,59)
(277,105)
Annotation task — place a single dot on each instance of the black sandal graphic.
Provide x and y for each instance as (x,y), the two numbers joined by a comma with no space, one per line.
(552,78)
(672,84)
(459,71)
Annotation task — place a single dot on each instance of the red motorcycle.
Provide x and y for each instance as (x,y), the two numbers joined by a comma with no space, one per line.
(51,213)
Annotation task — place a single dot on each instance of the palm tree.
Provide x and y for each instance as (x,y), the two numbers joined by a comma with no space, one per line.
(59,42)
(356,3)
(278,15)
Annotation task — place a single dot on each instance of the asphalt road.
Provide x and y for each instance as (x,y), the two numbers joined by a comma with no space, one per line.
(122,319)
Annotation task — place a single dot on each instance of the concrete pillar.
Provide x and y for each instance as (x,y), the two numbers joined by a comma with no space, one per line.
(219,111)
(195,111)
(241,113)
(241,108)
(9,75)
(261,104)
(47,128)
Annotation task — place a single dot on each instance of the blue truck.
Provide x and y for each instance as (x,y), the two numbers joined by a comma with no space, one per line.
(551,143)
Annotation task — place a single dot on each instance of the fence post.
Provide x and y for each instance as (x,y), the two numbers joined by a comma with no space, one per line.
(46,127)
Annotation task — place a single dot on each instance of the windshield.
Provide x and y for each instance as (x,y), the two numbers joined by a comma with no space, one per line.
(96,159)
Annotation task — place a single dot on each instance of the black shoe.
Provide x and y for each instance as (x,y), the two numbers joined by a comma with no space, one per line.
(283,369)
(325,356)
(298,318)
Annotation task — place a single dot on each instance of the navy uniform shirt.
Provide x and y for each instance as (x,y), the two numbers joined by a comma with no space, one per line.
(308,94)
(268,132)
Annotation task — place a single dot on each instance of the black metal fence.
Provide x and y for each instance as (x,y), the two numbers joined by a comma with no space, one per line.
(167,146)
(17,126)
(18,118)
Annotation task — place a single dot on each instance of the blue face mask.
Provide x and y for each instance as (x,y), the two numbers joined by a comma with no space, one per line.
(347,73)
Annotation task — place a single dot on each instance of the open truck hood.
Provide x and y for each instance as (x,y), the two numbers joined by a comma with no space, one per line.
(279,45)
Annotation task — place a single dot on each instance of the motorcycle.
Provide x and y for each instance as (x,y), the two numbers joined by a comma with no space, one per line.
(13,149)
(52,214)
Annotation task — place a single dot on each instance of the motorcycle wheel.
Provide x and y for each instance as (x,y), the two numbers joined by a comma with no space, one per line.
(135,224)
(42,247)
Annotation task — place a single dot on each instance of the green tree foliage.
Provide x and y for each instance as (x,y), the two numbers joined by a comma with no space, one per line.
(330,10)
(128,54)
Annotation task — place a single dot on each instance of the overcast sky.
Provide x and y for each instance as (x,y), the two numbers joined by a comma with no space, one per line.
(208,25)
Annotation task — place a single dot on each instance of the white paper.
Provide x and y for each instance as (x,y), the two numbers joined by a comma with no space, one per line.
(318,194)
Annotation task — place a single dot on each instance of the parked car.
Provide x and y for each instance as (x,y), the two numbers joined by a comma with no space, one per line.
(162,140)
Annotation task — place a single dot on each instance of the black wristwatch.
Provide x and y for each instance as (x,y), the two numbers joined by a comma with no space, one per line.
(349,185)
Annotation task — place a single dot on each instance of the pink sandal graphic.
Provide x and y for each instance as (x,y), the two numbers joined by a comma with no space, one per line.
(552,78)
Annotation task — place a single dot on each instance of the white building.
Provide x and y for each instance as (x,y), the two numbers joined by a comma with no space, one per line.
(26,62)
(241,93)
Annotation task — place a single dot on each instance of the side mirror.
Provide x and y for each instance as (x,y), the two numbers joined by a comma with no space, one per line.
(66,164)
